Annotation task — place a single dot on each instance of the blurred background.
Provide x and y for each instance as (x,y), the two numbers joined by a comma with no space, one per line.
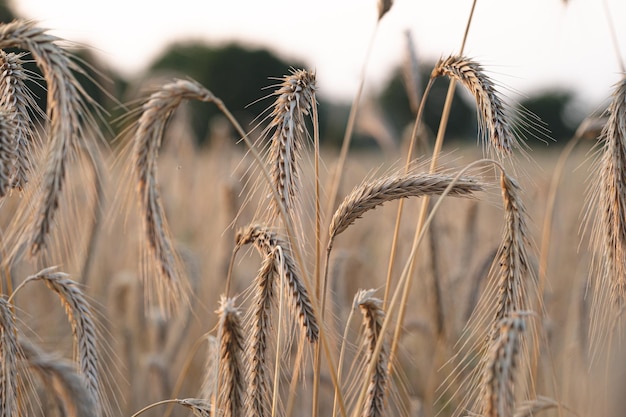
(555,58)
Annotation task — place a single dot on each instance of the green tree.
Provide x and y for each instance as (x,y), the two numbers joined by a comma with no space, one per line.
(395,102)
(241,77)
(556,112)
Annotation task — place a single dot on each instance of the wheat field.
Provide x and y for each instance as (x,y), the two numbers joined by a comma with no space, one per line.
(264,275)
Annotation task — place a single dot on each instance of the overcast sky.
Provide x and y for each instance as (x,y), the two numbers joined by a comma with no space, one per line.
(525,45)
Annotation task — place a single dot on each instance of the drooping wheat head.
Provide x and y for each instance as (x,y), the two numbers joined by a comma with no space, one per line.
(18,101)
(148,136)
(494,123)
(70,120)
(270,243)
(83,325)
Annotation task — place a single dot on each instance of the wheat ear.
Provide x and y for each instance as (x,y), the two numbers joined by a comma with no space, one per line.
(10,351)
(258,373)
(373,317)
(512,260)
(269,243)
(372,194)
(148,136)
(8,131)
(499,374)
(83,324)
(607,208)
(60,377)
(66,110)
(18,100)
(295,97)
(493,120)
(231,370)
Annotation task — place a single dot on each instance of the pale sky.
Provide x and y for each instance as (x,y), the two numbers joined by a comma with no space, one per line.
(524,45)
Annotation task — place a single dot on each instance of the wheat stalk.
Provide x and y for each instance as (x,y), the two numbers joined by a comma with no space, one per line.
(370,195)
(269,243)
(231,370)
(493,121)
(66,110)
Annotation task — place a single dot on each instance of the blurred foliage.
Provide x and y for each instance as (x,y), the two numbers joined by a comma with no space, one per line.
(542,117)
(243,78)
(556,111)
(394,100)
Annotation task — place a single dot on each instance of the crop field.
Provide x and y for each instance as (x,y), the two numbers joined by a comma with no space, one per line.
(266,275)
